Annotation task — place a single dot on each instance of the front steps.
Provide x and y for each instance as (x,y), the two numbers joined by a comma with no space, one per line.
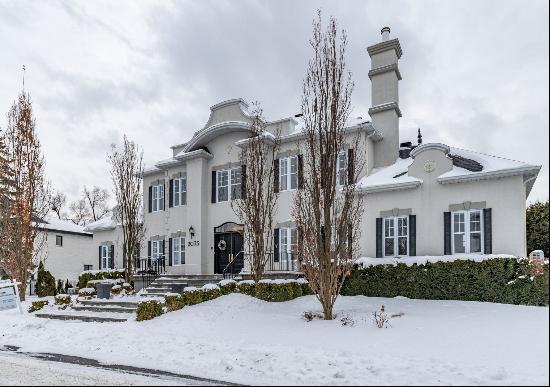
(170,283)
(94,310)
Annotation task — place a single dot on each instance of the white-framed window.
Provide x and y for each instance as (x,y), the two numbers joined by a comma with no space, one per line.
(467,231)
(178,251)
(156,249)
(228,183)
(179,194)
(157,197)
(106,258)
(341,168)
(288,173)
(396,236)
(288,243)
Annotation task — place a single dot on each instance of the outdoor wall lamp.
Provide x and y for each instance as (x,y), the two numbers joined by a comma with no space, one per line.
(192,232)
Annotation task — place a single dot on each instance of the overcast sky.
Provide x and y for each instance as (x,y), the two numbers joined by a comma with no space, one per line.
(475,73)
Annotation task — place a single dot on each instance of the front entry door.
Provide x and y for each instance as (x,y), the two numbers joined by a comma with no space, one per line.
(227,247)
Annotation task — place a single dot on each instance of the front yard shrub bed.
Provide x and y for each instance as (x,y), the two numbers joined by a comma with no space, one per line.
(94,275)
(62,299)
(278,290)
(247,287)
(148,310)
(173,302)
(500,280)
(37,305)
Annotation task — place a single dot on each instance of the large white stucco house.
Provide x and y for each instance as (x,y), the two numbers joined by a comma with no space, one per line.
(421,199)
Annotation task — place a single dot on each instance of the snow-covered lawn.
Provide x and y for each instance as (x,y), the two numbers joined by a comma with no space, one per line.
(240,339)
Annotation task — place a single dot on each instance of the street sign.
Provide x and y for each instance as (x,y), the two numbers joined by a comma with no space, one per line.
(9,296)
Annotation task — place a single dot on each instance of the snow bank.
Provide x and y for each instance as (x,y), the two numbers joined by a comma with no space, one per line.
(422,260)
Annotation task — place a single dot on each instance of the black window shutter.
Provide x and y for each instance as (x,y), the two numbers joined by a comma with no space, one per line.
(447,233)
(123,260)
(214,186)
(276,245)
(243,181)
(412,235)
(112,262)
(379,238)
(171,193)
(351,166)
(150,198)
(148,249)
(276,175)
(350,240)
(169,251)
(487,231)
(300,171)
(99,266)
(164,198)
(163,253)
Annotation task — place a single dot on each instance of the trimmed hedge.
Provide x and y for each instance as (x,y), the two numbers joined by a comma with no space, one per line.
(247,287)
(173,302)
(88,276)
(37,305)
(502,280)
(148,310)
(62,299)
(278,290)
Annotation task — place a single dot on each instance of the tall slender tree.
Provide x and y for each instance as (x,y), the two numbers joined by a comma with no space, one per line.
(31,200)
(127,173)
(256,206)
(327,210)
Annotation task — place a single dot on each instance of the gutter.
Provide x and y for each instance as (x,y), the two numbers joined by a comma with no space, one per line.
(528,171)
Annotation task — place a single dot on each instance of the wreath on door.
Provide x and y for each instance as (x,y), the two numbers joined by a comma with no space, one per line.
(222,245)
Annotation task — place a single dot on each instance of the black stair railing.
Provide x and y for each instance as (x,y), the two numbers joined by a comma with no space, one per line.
(234,267)
(149,268)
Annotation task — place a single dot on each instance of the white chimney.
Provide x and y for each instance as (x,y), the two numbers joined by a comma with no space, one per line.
(385,112)
(385,33)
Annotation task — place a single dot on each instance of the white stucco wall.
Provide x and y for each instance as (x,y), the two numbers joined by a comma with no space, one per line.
(67,261)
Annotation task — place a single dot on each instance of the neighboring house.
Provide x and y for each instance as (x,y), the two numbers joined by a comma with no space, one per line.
(423,199)
(66,248)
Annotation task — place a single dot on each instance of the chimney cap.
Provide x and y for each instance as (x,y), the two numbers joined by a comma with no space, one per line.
(385,31)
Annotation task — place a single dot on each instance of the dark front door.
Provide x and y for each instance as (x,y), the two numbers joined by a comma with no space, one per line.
(227,247)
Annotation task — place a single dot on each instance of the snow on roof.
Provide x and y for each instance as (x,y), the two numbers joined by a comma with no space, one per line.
(55,224)
(393,176)
(107,223)
(396,176)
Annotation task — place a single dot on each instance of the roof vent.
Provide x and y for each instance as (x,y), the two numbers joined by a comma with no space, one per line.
(469,164)
(385,34)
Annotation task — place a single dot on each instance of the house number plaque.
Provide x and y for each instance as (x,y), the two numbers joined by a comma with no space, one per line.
(193,243)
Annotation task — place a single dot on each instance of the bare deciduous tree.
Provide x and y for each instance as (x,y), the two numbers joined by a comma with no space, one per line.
(98,202)
(80,212)
(256,207)
(31,199)
(127,173)
(58,202)
(327,210)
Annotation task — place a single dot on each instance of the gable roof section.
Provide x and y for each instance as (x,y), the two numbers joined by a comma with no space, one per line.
(53,224)
(467,166)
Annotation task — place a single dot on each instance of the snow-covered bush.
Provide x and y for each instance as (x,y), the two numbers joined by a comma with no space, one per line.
(149,309)
(116,290)
(45,282)
(228,286)
(114,282)
(37,305)
(247,287)
(306,290)
(94,275)
(210,292)
(192,296)
(86,293)
(501,280)
(62,299)
(173,302)
(127,288)
(277,290)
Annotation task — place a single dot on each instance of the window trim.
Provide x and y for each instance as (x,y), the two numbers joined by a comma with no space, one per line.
(61,239)
(158,244)
(395,236)
(106,255)
(177,251)
(157,197)
(182,191)
(287,232)
(286,174)
(467,232)
(341,171)
(229,185)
